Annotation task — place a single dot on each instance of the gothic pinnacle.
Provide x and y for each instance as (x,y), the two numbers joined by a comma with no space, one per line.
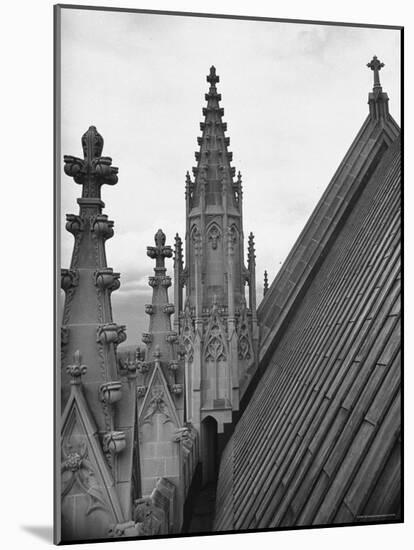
(178,252)
(251,252)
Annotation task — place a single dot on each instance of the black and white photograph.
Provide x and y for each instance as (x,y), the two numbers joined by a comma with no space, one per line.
(228,302)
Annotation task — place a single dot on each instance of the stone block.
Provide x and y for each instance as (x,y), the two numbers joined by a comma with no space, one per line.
(153,467)
(172,466)
(148,484)
(165,449)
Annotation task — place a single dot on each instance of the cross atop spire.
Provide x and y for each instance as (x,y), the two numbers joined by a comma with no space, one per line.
(213,78)
(376,65)
(159,252)
(93,170)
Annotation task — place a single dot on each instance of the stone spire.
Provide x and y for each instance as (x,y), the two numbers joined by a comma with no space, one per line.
(178,278)
(213,205)
(251,266)
(160,390)
(160,339)
(213,170)
(98,412)
(216,328)
(87,323)
(377,99)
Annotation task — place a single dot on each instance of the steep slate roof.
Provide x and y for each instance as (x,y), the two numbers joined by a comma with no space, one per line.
(318,442)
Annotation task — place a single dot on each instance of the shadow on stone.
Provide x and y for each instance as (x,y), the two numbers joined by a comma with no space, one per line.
(44,532)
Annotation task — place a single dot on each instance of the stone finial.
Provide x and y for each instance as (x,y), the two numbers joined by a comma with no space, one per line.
(213,78)
(76,370)
(188,185)
(160,251)
(266,283)
(93,170)
(376,65)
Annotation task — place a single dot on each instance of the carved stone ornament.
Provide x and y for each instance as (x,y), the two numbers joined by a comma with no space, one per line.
(111,333)
(158,280)
(143,367)
(141,391)
(106,279)
(214,236)
(196,240)
(111,392)
(187,332)
(231,238)
(125,529)
(215,349)
(165,281)
(244,343)
(182,434)
(144,517)
(160,250)
(146,337)
(76,468)
(114,442)
(102,227)
(76,370)
(157,403)
(177,389)
(173,365)
(69,279)
(168,309)
(149,309)
(74,224)
(93,170)
(172,338)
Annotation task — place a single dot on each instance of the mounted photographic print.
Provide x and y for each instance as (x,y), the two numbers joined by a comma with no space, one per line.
(228,349)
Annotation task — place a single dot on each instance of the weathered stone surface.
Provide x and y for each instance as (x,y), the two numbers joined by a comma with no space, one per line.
(325,416)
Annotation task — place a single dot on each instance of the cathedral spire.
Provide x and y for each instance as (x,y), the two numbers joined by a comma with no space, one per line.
(215,278)
(213,170)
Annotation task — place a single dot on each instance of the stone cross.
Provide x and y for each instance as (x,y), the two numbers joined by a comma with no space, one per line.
(160,251)
(213,78)
(93,170)
(376,65)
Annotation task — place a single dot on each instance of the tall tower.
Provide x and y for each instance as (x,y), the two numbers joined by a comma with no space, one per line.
(216,325)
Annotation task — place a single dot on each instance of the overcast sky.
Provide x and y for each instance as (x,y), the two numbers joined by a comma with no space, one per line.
(294,97)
